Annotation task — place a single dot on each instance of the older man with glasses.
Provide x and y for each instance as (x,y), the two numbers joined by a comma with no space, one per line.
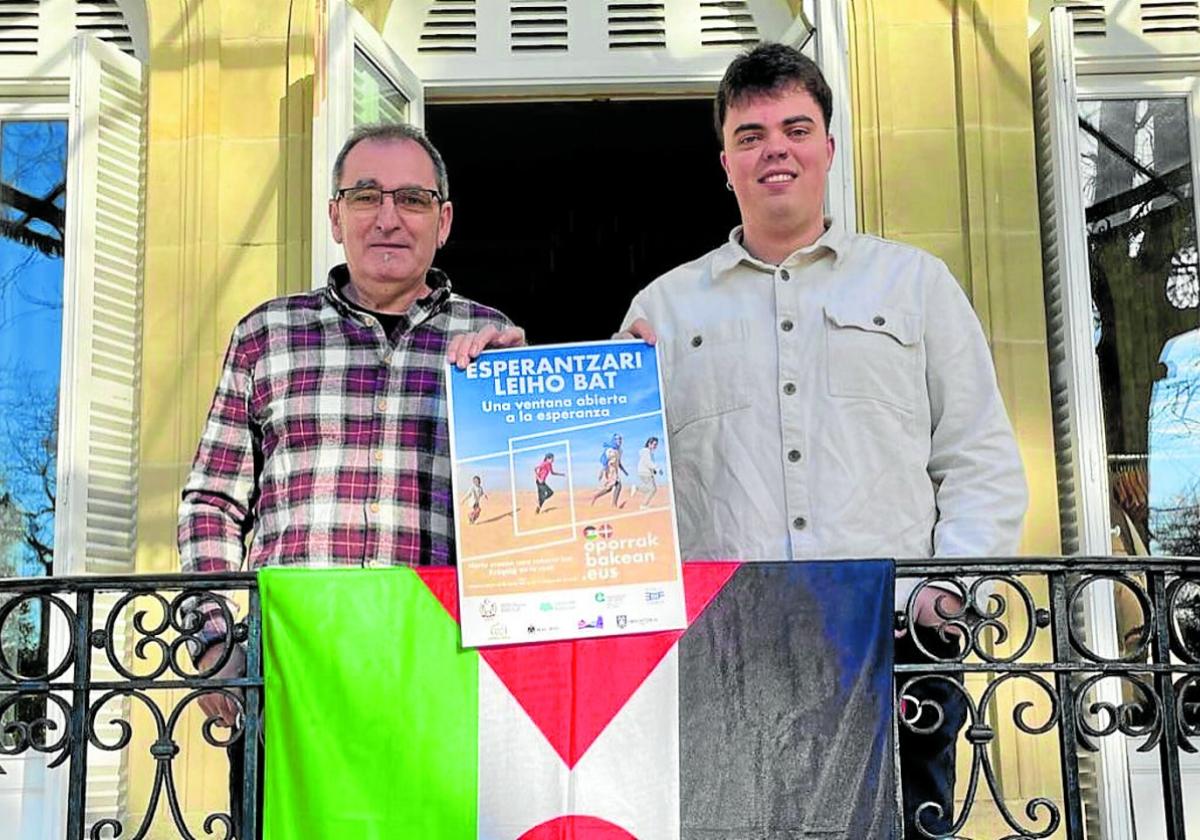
(327,438)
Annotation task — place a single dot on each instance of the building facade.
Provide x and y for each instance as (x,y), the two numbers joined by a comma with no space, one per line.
(165,168)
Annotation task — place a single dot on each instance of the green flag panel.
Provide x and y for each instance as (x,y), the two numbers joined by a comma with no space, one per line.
(371,728)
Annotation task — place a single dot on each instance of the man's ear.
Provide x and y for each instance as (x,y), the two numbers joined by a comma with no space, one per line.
(832,150)
(725,164)
(335,220)
(445,217)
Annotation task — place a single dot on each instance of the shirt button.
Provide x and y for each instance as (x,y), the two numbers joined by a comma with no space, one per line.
(789,388)
(378,455)
(697,340)
(381,405)
(784,275)
(879,320)
(799,523)
(374,507)
(786,326)
(794,455)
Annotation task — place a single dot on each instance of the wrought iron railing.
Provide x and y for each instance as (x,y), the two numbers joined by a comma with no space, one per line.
(1078,651)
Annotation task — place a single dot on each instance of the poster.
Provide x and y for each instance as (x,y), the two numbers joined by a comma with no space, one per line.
(564,508)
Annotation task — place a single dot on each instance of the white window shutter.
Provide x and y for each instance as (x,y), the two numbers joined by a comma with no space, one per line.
(1079,443)
(1074,375)
(96,517)
(96,524)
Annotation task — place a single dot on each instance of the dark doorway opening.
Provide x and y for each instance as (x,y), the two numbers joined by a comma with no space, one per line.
(565,210)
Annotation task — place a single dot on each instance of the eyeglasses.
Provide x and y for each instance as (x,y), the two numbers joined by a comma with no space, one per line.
(406,199)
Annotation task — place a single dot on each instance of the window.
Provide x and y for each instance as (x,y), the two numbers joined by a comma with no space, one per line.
(1136,164)
(33,159)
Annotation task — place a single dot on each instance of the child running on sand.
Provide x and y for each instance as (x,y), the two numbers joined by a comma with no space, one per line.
(646,473)
(540,473)
(610,471)
(474,494)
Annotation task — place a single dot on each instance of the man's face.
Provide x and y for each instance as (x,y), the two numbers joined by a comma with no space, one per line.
(389,245)
(776,154)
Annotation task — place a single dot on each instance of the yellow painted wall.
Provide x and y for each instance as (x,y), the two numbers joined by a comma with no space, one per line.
(227,227)
(944,156)
(943,137)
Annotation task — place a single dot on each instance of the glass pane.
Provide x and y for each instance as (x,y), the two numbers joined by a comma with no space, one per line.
(33,158)
(1137,183)
(376,98)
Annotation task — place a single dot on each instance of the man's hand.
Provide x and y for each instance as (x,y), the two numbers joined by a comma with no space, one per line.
(925,610)
(465,347)
(218,705)
(639,329)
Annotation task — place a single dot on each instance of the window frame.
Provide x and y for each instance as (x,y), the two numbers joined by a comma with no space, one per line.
(1143,769)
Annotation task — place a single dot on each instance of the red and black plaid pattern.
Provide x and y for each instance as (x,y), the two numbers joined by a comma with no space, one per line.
(327,440)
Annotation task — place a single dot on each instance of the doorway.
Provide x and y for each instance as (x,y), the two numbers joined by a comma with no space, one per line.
(565,210)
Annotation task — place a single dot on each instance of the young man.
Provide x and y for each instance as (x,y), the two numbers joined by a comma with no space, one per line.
(831,394)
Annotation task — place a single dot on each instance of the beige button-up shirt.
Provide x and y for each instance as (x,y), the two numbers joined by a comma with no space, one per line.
(840,404)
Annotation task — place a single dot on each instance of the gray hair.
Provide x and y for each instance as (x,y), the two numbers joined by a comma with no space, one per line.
(392,132)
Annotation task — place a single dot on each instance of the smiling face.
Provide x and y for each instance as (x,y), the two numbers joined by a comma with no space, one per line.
(777,153)
(388,247)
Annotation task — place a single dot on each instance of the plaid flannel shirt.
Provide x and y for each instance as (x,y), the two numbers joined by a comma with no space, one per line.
(326,440)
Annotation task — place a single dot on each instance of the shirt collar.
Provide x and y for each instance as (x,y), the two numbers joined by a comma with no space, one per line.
(436,279)
(835,240)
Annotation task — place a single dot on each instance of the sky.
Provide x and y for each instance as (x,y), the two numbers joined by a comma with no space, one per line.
(33,160)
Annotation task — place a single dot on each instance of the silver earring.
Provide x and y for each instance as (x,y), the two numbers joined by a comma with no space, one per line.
(729,186)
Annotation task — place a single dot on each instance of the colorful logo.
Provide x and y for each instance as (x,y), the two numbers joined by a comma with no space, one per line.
(545,606)
(598,624)
(605,531)
(589,533)
(599,597)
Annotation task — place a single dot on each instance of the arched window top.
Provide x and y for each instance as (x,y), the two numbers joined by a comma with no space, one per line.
(468,43)
(35,36)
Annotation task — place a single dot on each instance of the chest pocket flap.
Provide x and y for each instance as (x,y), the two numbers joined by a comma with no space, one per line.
(903,327)
(874,353)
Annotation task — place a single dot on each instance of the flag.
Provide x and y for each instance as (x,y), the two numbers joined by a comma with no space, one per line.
(769,717)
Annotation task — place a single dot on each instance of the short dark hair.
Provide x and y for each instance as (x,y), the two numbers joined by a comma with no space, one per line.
(549,455)
(651,440)
(769,69)
(393,132)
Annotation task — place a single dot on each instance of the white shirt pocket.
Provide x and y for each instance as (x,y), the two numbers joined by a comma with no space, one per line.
(874,352)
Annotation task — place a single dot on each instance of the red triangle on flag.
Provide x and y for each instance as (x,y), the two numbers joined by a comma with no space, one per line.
(571,690)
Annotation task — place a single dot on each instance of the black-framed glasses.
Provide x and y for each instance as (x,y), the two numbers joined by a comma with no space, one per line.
(408,199)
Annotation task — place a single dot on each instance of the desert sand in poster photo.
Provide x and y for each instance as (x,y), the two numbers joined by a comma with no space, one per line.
(495,531)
